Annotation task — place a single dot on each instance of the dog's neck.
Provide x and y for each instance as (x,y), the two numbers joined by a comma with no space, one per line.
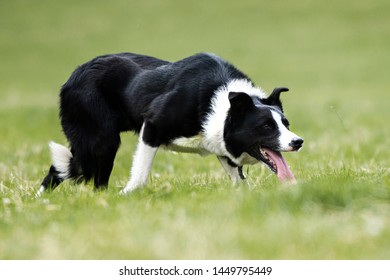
(213,127)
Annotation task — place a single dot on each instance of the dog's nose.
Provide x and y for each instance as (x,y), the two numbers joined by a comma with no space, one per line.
(296,144)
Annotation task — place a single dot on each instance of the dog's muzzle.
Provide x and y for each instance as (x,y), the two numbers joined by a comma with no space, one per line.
(296,144)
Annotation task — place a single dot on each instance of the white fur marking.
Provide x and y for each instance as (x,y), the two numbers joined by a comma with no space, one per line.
(142,164)
(243,85)
(286,136)
(188,145)
(60,156)
(40,191)
(214,125)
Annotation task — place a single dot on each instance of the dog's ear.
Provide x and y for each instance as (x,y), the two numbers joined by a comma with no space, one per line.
(274,98)
(240,103)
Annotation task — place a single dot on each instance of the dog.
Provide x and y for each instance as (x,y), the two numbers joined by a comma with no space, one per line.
(201,104)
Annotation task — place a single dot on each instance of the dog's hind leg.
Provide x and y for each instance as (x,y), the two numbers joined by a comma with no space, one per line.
(103,172)
(105,156)
(142,164)
(234,171)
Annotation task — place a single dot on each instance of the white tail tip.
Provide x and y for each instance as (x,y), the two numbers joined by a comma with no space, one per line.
(61,156)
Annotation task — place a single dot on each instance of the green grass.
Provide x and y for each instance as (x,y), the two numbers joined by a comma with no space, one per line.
(334,57)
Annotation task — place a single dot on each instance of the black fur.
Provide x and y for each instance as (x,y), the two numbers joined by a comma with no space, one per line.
(115,93)
(125,92)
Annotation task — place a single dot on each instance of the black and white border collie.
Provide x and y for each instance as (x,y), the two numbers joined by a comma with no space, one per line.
(201,104)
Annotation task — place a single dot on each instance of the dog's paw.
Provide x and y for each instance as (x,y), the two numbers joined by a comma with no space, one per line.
(123,192)
(127,190)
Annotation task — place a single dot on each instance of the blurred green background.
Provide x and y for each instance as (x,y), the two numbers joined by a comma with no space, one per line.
(333,55)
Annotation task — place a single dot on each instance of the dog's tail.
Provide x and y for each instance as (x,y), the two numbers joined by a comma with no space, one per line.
(62,167)
(61,158)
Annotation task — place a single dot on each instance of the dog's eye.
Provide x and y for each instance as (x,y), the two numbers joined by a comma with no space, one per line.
(267,126)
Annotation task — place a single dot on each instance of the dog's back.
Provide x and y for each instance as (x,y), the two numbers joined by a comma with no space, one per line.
(122,92)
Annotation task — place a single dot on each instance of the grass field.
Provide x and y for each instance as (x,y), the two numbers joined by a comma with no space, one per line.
(333,55)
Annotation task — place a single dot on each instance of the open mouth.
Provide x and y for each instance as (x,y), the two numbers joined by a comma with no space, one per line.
(268,160)
(275,161)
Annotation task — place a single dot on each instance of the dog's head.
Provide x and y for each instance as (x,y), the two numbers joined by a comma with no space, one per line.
(258,128)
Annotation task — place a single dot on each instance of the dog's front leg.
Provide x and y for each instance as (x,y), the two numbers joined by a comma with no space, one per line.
(142,164)
(234,171)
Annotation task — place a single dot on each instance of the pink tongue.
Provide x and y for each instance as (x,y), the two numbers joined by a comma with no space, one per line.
(284,172)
